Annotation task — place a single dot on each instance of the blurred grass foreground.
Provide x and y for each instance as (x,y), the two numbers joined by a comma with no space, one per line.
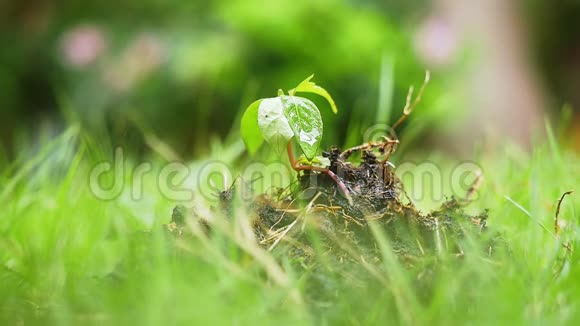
(134,86)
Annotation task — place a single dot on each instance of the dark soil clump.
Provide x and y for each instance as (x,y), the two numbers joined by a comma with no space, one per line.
(376,195)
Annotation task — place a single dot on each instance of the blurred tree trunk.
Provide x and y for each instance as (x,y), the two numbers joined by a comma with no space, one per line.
(504,94)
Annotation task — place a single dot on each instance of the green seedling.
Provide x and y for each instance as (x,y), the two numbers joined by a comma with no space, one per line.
(282,119)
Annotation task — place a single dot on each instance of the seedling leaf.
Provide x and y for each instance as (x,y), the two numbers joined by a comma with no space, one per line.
(307,86)
(273,123)
(250,130)
(276,120)
(319,161)
(305,121)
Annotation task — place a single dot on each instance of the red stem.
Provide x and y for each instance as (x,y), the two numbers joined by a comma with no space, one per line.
(332,175)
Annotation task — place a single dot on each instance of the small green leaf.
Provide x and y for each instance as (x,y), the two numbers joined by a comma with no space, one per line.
(305,121)
(319,161)
(250,130)
(307,86)
(273,123)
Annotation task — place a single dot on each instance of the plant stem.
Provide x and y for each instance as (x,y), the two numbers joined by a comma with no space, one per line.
(299,167)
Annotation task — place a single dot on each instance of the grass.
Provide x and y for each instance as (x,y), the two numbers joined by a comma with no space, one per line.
(67,257)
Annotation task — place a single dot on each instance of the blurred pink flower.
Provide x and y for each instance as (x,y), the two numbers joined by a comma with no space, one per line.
(82,45)
(436,42)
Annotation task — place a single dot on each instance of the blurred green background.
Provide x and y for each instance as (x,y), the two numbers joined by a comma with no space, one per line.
(183,70)
(168,80)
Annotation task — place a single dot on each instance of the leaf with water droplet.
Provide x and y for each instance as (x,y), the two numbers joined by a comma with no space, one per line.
(273,123)
(305,121)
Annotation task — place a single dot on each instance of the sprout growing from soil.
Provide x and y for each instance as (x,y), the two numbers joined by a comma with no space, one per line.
(279,120)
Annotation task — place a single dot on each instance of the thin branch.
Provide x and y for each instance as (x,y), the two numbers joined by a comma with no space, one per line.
(410,107)
(556,226)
